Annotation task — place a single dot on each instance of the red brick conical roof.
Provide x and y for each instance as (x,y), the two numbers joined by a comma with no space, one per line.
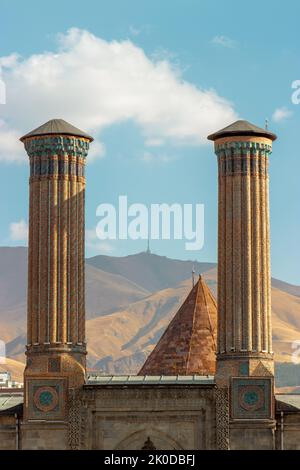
(188,346)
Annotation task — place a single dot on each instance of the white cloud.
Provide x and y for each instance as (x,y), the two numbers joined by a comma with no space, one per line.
(95,83)
(9,61)
(97,150)
(94,245)
(19,231)
(281,114)
(224,41)
(11,148)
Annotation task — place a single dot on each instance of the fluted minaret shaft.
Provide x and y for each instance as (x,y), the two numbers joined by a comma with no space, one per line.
(245,365)
(244,307)
(56,309)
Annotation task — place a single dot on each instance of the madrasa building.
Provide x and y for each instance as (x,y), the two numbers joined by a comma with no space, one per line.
(209,382)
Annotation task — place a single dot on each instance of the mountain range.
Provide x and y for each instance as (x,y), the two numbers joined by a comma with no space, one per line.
(129,302)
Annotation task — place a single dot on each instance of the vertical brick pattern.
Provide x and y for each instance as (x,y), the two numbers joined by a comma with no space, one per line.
(53,284)
(30,332)
(221,262)
(255,233)
(268,262)
(43,262)
(34,257)
(56,307)
(73,332)
(81,289)
(237,262)
(63,265)
(244,247)
(228,213)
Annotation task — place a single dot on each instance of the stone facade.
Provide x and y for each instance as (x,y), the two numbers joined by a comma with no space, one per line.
(287,434)
(119,417)
(171,417)
(8,432)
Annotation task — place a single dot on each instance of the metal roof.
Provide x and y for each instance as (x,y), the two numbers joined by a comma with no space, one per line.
(242,128)
(94,379)
(9,401)
(57,126)
(291,400)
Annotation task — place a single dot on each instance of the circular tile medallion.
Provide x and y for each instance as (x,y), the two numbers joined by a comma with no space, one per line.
(46,398)
(251,398)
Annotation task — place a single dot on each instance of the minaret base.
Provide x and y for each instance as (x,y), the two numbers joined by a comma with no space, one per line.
(240,365)
(252,435)
(49,378)
(38,435)
(52,381)
(245,409)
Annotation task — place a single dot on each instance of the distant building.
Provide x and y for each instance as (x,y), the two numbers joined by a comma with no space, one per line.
(7,382)
(209,382)
(5,379)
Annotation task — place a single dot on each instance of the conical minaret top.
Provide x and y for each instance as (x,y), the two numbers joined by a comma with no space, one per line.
(242,128)
(57,127)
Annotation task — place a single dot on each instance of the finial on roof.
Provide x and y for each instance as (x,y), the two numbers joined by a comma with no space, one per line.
(148,247)
(267,124)
(188,345)
(193,276)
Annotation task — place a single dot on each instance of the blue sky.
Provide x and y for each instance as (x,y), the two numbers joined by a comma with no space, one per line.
(152,154)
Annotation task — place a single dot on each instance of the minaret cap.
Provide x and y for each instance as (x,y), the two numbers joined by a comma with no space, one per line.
(242,128)
(57,126)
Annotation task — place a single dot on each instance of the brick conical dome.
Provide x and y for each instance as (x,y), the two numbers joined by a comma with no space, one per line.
(188,346)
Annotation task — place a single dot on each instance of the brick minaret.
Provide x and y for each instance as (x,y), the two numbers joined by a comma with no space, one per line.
(56,347)
(244,355)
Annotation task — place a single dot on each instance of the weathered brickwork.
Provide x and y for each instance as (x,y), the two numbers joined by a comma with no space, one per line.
(244,280)
(56,347)
(188,346)
(8,433)
(222,418)
(56,240)
(244,264)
